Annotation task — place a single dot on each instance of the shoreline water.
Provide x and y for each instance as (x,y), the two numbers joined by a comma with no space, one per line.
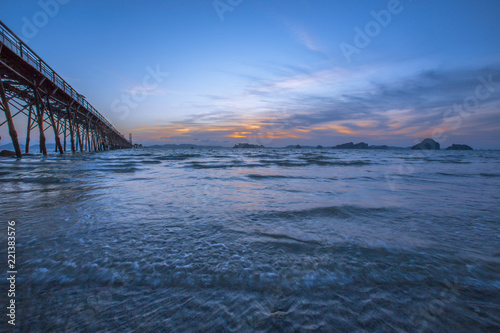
(256,240)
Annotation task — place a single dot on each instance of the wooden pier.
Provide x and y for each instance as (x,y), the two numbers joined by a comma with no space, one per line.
(30,87)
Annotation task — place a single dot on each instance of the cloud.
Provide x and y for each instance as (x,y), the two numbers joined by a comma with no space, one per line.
(323,106)
(411,106)
(302,36)
(144,91)
(301,80)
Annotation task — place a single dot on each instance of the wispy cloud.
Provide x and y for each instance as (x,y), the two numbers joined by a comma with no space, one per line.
(321,106)
(302,35)
(141,91)
(301,81)
(304,38)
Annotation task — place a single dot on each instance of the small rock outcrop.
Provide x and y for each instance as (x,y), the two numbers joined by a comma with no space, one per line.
(319,147)
(7,153)
(427,144)
(247,145)
(379,147)
(459,147)
(351,145)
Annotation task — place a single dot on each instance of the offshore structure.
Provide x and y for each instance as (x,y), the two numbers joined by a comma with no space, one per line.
(30,87)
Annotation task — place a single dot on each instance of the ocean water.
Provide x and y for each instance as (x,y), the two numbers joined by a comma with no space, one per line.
(229,240)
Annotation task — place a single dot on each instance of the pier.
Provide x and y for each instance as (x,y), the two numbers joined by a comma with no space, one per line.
(30,87)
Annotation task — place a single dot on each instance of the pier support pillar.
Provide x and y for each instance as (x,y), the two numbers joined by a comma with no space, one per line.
(71,129)
(28,129)
(54,127)
(10,122)
(65,133)
(40,111)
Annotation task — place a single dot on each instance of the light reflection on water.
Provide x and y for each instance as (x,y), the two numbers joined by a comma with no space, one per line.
(256,240)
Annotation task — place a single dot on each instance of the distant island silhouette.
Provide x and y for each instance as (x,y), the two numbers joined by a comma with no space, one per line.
(247,145)
(361,145)
(430,144)
(426,144)
(459,147)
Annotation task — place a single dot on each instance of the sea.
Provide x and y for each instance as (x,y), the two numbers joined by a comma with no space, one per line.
(254,240)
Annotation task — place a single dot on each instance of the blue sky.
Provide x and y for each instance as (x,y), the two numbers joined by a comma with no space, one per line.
(277,72)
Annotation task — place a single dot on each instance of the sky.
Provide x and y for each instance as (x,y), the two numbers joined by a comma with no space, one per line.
(276,72)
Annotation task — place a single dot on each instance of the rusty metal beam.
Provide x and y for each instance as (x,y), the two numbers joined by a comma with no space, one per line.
(40,111)
(28,131)
(10,122)
(54,127)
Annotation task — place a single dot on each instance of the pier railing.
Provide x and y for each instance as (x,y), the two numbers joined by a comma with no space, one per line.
(15,44)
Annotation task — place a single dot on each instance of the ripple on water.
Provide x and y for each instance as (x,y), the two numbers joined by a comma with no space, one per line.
(282,241)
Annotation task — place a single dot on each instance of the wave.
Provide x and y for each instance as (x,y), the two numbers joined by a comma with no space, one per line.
(446,174)
(232,164)
(288,164)
(455,162)
(444,160)
(145,155)
(263,155)
(284,263)
(257,176)
(320,162)
(343,212)
(467,174)
(286,237)
(489,174)
(308,157)
(119,165)
(118,169)
(38,180)
(180,157)
(199,165)
(151,162)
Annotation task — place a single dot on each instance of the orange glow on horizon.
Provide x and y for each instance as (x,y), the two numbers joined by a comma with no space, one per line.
(238,135)
(336,128)
(253,128)
(218,129)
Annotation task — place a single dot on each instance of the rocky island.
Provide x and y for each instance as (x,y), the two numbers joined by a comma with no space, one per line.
(247,145)
(361,145)
(7,153)
(427,144)
(459,147)
(351,145)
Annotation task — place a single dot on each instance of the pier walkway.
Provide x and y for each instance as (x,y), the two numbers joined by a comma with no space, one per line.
(30,87)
